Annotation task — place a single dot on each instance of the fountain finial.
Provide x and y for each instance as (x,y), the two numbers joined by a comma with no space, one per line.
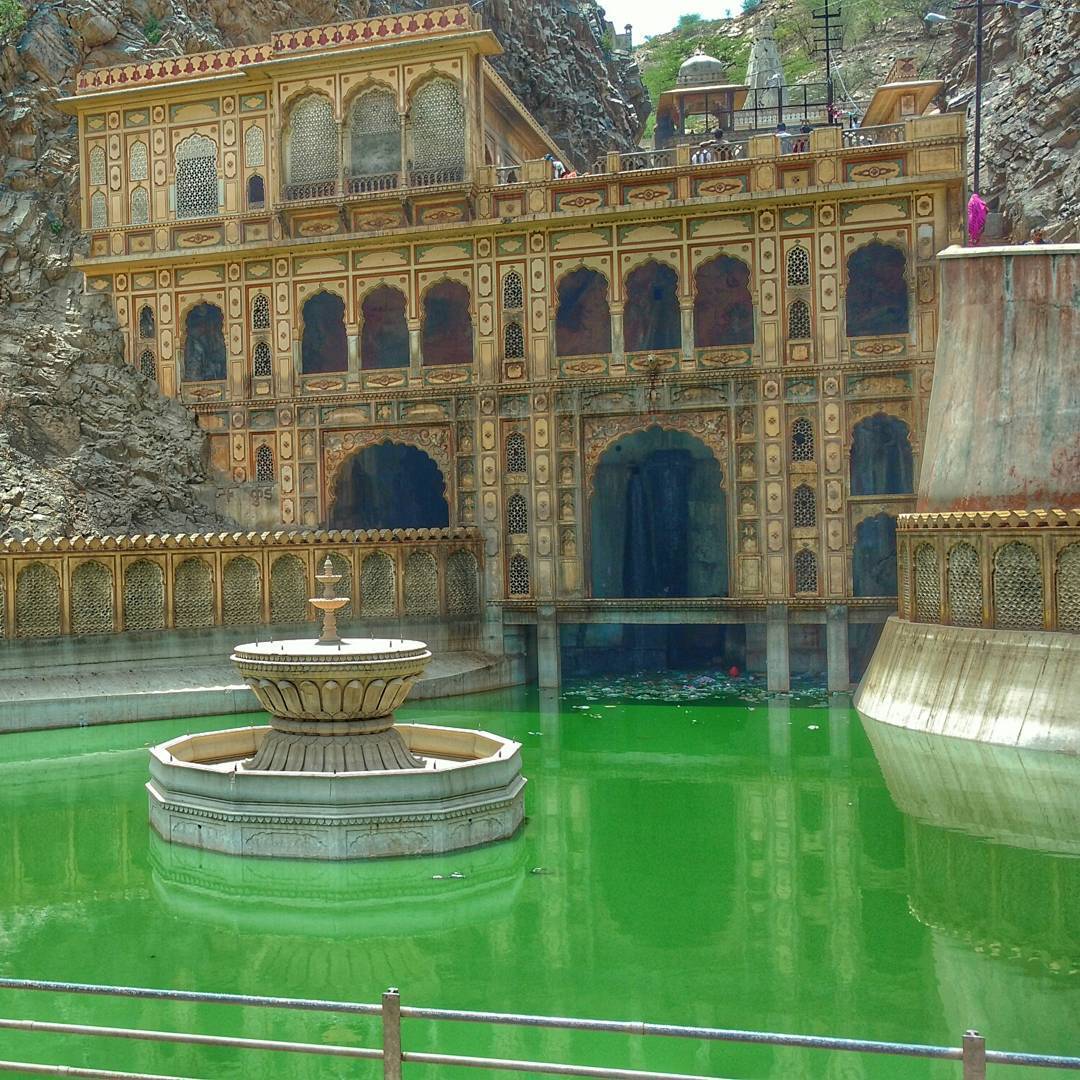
(328,603)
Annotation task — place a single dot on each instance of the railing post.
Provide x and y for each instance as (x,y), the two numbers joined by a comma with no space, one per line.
(391,1035)
(974,1059)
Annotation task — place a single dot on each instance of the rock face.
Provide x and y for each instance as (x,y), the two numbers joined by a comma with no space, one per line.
(86,443)
(1031,101)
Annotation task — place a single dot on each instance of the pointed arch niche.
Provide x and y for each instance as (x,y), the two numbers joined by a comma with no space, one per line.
(389,485)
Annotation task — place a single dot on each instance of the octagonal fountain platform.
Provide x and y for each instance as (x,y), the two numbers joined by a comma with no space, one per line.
(332,776)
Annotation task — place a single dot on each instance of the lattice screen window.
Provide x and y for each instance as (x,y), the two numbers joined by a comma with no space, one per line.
(513,296)
(138,162)
(193,594)
(1068,588)
(802,440)
(260,312)
(99,211)
(92,599)
(804,507)
(241,592)
(513,341)
(288,590)
(378,588)
(965,586)
(437,133)
(798,320)
(519,575)
(462,584)
(37,602)
(927,584)
(3,608)
(517,459)
(517,515)
(254,147)
(144,596)
(98,177)
(375,136)
(147,364)
(264,464)
(196,177)
(140,206)
(806,571)
(421,584)
(313,142)
(798,267)
(342,566)
(262,364)
(1018,589)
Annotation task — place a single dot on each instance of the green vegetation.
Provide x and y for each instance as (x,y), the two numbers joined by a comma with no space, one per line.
(152,29)
(12,18)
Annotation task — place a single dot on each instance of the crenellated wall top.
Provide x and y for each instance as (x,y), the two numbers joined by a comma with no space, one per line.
(990,519)
(283,45)
(176,541)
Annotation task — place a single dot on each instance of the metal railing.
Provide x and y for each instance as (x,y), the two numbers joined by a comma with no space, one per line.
(972,1052)
(878,135)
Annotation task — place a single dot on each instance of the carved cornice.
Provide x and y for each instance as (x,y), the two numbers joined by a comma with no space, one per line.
(979,520)
(187,541)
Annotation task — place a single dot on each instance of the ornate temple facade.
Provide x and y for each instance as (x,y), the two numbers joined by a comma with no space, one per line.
(673,387)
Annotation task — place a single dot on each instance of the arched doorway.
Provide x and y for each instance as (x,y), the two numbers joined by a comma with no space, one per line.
(389,486)
(658,518)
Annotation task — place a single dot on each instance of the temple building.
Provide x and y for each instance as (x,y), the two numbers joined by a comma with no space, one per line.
(672,388)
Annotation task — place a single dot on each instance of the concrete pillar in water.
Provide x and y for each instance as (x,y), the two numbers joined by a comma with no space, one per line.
(777,652)
(548,660)
(836,647)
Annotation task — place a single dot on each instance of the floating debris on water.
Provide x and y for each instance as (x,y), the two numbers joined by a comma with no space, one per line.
(677,687)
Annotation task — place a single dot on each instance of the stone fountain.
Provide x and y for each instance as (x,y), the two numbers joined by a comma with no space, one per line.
(333,776)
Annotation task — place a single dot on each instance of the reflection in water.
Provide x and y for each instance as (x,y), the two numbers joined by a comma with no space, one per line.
(992,844)
(337,899)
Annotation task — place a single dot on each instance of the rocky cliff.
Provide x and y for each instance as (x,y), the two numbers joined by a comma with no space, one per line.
(86,443)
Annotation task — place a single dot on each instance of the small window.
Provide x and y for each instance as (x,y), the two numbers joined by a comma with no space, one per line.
(146,323)
(802,440)
(264,465)
(256,191)
(140,206)
(513,291)
(804,507)
(138,163)
(97,167)
(260,312)
(806,577)
(513,342)
(798,320)
(519,575)
(254,152)
(517,516)
(147,364)
(99,211)
(261,361)
(516,455)
(798,266)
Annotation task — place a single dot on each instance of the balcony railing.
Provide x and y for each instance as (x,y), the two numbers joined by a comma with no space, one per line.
(874,136)
(365,185)
(369,183)
(646,159)
(508,174)
(434,177)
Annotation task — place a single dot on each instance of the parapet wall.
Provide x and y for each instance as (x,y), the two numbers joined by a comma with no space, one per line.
(101,585)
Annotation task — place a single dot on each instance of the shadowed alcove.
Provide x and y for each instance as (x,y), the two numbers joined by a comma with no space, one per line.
(384,334)
(446,336)
(723,306)
(389,486)
(881,460)
(877,294)
(652,319)
(204,344)
(658,518)
(873,560)
(583,317)
(324,345)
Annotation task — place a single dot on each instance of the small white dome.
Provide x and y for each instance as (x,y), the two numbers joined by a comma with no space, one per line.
(701,70)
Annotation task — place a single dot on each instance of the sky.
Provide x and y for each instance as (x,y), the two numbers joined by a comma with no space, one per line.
(656,16)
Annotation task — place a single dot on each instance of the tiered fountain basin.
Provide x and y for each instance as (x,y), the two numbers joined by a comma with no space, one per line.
(332,776)
(469,792)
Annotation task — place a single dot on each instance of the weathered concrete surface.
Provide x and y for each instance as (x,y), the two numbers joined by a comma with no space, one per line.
(1012,687)
(1003,430)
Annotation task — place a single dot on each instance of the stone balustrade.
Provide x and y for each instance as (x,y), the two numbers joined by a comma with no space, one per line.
(1009,569)
(101,585)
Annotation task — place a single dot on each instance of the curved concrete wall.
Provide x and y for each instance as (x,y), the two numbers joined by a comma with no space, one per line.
(1004,425)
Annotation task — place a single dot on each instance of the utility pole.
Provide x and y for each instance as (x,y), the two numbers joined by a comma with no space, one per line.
(825,29)
(979,6)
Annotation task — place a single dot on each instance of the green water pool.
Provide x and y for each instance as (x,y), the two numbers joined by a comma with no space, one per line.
(719,860)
